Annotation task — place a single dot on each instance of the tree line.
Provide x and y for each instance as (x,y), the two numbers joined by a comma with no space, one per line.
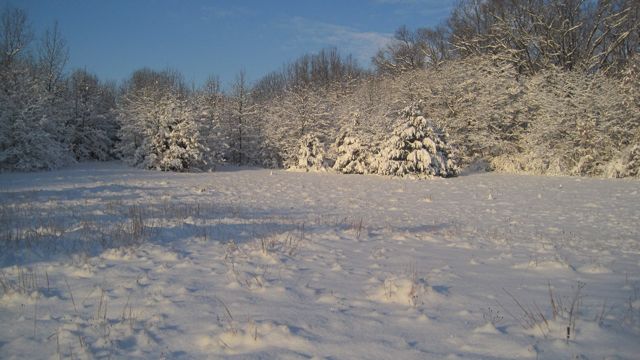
(537,86)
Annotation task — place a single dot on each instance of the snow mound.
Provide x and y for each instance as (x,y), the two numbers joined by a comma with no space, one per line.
(487,328)
(254,336)
(594,269)
(544,265)
(402,290)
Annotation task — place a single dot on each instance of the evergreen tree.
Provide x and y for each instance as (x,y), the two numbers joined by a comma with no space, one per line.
(311,154)
(159,123)
(415,149)
(351,156)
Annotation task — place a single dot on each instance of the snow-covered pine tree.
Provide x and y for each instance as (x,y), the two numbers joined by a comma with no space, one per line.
(416,149)
(311,154)
(159,123)
(176,145)
(351,156)
(184,143)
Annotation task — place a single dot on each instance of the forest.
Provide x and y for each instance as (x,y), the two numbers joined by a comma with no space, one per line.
(538,86)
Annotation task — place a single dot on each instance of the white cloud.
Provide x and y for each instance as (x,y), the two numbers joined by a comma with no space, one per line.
(212,12)
(430,9)
(361,44)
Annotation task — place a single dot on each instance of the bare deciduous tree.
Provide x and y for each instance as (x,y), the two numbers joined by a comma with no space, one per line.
(571,34)
(53,56)
(242,110)
(15,34)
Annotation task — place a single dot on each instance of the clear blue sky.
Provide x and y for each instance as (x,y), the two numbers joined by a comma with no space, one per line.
(199,38)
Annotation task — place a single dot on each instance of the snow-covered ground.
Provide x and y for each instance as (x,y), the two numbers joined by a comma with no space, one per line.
(101,260)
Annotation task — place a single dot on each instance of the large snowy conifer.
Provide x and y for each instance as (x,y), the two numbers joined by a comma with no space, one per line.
(352,157)
(415,149)
(311,154)
(159,124)
(181,147)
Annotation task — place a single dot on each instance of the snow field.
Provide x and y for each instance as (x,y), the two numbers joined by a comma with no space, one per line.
(100,260)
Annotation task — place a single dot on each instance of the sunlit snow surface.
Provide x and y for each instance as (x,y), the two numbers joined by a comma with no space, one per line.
(101,260)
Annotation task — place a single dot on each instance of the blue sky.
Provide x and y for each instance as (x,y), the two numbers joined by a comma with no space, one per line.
(202,38)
